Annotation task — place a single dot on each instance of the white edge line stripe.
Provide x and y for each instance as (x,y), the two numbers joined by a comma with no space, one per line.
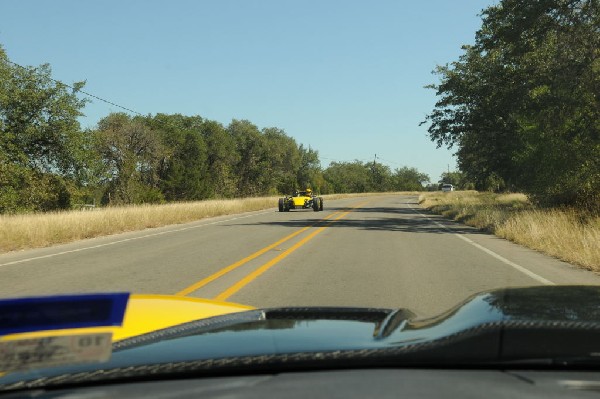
(508,262)
(491,253)
(128,239)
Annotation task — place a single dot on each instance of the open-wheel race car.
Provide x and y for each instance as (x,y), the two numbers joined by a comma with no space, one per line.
(301,200)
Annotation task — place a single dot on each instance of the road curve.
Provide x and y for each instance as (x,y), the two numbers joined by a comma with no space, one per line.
(382,251)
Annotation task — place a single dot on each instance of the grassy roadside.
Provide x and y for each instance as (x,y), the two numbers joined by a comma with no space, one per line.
(19,232)
(567,234)
(26,231)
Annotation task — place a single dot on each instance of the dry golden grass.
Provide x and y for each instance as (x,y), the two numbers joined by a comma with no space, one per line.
(567,234)
(40,230)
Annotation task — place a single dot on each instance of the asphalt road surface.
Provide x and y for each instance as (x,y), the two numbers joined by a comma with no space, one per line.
(379,251)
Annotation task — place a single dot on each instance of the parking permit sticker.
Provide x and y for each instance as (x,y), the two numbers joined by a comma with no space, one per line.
(34,353)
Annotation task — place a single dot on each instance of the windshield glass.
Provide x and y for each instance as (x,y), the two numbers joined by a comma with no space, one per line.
(236,155)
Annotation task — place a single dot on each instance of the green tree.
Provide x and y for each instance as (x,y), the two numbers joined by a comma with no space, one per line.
(253,165)
(131,153)
(284,161)
(348,177)
(185,176)
(309,173)
(458,180)
(43,151)
(222,160)
(522,103)
(183,169)
(409,179)
(381,177)
(359,177)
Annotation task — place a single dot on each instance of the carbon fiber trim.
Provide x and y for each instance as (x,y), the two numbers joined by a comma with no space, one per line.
(397,356)
(192,327)
(373,315)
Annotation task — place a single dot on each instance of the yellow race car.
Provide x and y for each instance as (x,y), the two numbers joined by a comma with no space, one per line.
(301,200)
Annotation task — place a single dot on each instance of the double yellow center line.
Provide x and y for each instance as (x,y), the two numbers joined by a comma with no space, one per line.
(256,273)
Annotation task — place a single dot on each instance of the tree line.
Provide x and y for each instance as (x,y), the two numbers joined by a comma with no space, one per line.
(48,162)
(522,104)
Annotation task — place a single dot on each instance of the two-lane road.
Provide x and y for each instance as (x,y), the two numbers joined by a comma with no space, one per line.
(374,251)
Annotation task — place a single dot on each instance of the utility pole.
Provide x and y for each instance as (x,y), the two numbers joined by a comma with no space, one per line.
(374,170)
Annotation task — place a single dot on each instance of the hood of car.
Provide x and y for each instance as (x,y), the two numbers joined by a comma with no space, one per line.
(550,324)
(147,313)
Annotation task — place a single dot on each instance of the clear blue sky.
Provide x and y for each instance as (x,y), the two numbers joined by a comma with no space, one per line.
(343,76)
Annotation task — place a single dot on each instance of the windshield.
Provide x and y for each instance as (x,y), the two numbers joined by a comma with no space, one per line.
(384,155)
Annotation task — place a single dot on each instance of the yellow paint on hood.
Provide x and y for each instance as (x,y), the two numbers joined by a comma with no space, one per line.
(147,313)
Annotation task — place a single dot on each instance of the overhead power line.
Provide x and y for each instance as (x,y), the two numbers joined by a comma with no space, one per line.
(388,161)
(84,92)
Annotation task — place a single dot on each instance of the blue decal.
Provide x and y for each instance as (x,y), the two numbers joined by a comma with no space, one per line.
(62,312)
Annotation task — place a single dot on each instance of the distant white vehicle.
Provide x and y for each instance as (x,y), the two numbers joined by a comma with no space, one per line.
(447,187)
